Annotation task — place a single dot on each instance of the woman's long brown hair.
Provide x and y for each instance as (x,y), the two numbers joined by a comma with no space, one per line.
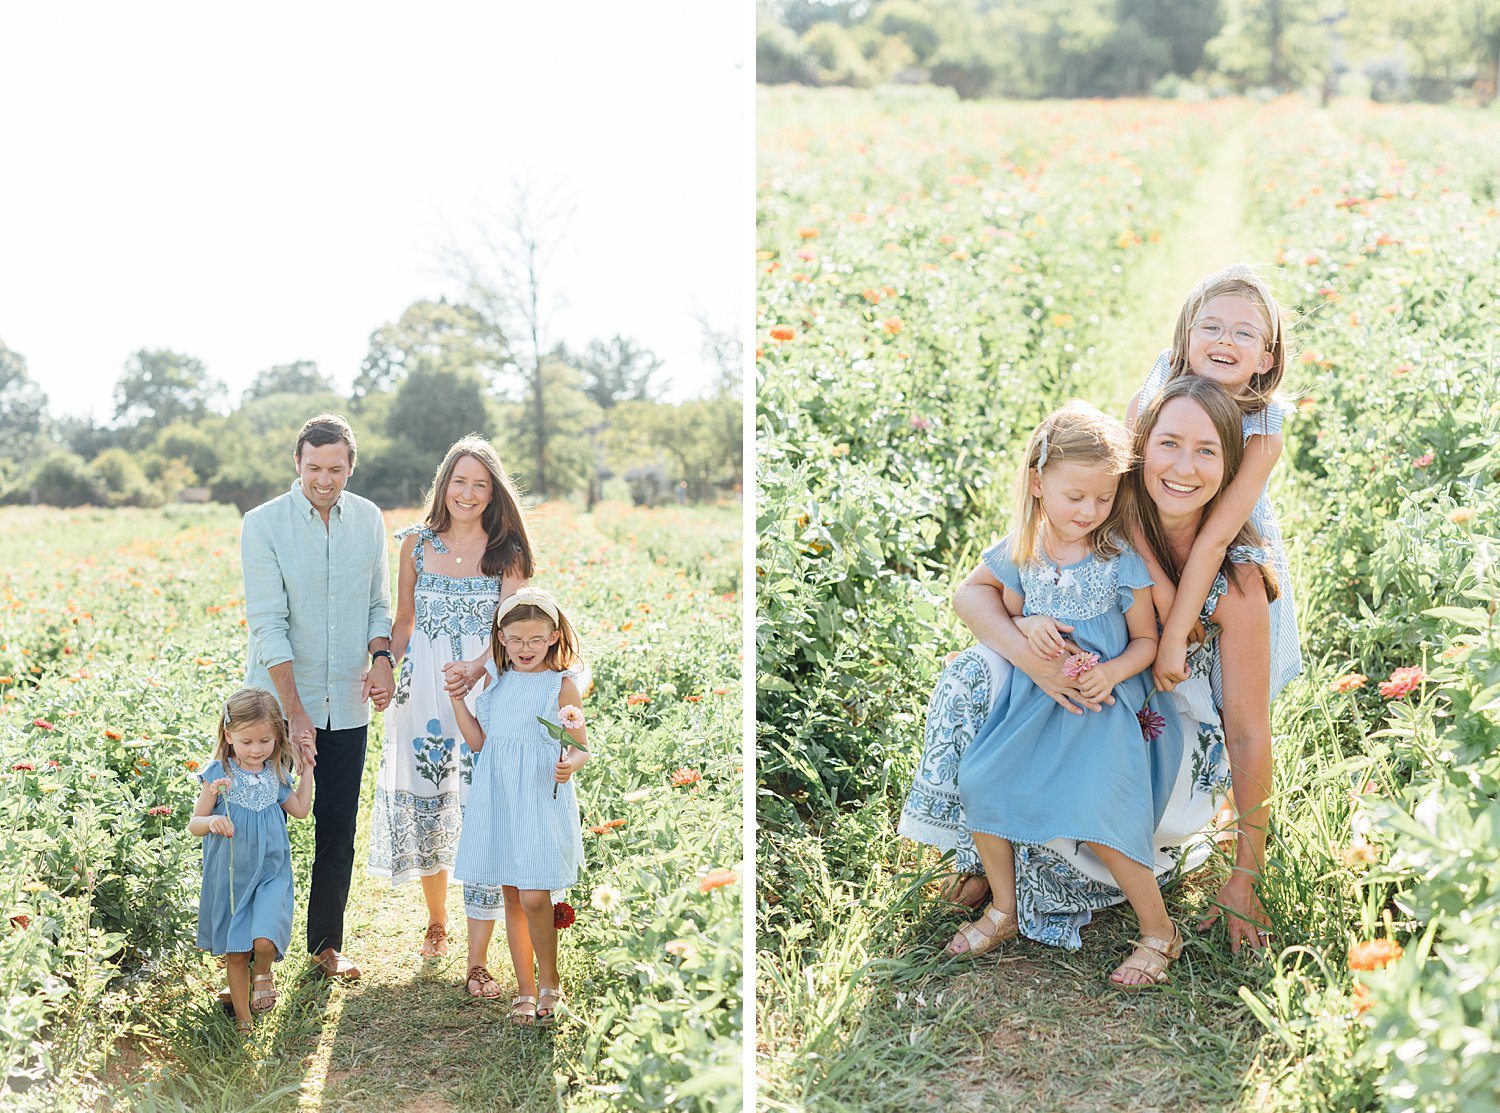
(508,549)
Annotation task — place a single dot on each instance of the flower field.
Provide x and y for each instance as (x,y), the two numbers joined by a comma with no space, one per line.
(122,633)
(933,276)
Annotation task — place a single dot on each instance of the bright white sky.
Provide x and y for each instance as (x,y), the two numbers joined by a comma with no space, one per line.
(272,182)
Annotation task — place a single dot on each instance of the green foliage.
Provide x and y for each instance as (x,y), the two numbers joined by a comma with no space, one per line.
(61,478)
(158,387)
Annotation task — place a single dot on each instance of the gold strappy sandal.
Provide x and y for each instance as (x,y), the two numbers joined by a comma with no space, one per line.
(1151,957)
(523,1010)
(977,942)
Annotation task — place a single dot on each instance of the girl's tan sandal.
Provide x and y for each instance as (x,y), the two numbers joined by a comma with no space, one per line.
(1151,957)
(547,1014)
(523,1010)
(262,1000)
(977,942)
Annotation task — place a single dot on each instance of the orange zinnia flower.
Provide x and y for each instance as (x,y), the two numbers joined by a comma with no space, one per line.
(1348,682)
(1374,954)
(635,698)
(781,332)
(113,735)
(717,879)
(686,776)
(1402,682)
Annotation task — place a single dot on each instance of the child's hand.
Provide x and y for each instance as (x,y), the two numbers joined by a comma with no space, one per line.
(456,679)
(220,825)
(1097,683)
(563,771)
(1170,669)
(1044,635)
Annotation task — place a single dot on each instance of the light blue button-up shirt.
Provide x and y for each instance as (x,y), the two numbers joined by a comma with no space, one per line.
(316,597)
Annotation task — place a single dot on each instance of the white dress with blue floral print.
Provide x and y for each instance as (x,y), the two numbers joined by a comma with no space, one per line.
(425,769)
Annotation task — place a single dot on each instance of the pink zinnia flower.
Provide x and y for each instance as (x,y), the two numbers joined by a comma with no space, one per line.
(1078,664)
(1152,724)
(160,809)
(1423,460)
(42,724)
(1402,682)
(571,717)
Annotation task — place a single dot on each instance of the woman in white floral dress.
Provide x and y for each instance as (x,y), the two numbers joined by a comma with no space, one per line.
(472,551)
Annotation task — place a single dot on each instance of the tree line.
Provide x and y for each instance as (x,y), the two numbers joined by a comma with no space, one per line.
(438,372)
(1395,49)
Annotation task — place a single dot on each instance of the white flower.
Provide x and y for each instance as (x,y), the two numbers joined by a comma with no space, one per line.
(606,898)
(668,689)
(637,796)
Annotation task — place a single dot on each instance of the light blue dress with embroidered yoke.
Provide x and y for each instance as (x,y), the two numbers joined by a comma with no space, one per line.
(1286,646)
(262,887)
(1038,774)
(515,832)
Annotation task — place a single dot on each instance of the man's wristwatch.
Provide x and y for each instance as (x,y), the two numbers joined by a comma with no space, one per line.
(386,653)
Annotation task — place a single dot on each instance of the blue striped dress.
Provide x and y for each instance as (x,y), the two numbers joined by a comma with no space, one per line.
(1286,648)
(514,832)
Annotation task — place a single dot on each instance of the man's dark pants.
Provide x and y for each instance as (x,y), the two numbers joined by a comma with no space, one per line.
(336,778)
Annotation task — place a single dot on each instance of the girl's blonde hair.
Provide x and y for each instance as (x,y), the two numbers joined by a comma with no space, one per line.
(1077,433)
(255,705)
(508,548)
(1239,280)
(561,654)
(1145,520)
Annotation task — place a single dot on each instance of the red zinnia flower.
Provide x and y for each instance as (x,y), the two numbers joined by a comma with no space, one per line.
(41,724)
(23,767)
(563,915)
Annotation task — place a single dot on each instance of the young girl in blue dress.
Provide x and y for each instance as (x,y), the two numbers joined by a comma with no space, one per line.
(1229,331)
(245,906)
(1036,774)
(521,829)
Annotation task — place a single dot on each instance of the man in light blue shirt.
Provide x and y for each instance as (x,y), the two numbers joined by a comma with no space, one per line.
(317,601)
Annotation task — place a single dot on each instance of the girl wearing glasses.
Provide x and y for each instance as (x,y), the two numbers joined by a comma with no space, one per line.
(521,829)
(472,551)
(1229,332)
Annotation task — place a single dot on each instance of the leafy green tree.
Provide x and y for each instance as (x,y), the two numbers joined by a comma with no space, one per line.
(431,334)
(23,407)
(835,56)
(299,377)
(912,22)
(573,453)
(64,478)
(123,481)
(159,387)
(199,447)
(615,370)
(779,58)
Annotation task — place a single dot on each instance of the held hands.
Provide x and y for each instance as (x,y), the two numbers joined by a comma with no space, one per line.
(305,750)
(1047,674)
(300,730)
(220,825)
(377,684)
(563,771)
(459,679)
(1044,635)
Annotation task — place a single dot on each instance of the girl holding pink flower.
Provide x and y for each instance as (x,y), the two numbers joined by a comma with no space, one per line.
(245,905)
(521,827)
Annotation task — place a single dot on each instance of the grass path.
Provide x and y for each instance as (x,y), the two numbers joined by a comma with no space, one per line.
(1212,234)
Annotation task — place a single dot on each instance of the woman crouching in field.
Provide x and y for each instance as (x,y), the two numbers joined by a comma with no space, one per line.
(1188,447)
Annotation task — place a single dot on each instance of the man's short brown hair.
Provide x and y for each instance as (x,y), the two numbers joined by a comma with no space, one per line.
(326,429)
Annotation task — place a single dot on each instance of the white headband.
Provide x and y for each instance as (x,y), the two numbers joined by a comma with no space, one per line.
(528,596)
(1041,456)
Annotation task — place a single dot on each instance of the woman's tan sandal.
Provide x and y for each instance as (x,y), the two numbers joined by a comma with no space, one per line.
(262,1000)
(435,942)
(1151,957)
(523,1010)
(481,984)
(547,1013)
(1003,926)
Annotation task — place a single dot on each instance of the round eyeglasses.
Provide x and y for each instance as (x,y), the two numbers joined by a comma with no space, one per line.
(530,645)
(1241,336)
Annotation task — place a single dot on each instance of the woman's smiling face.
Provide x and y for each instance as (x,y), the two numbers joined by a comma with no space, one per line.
(1183,462)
